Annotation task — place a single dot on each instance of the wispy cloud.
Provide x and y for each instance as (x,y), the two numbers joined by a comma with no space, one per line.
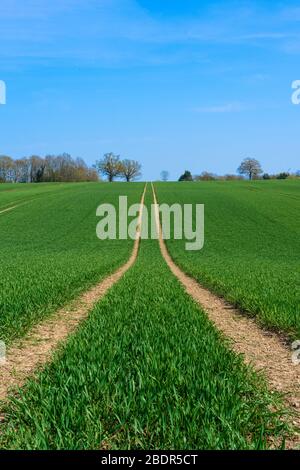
(267,35)
(290,13)
(223,108)
(36,9)
(111,32)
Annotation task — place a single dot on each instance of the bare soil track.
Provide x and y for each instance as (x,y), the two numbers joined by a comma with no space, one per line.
(9,209)
(33,351)
(263,349)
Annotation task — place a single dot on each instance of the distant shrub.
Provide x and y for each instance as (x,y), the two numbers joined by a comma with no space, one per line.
(205,176)
(282,176)
(187,176)
(233,178)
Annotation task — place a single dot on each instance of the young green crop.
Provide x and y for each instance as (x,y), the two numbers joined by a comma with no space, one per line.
(147,370)
(14,194)
(49,250)
(252,245)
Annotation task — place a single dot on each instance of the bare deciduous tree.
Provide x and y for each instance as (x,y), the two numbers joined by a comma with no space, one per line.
(130,169)
(205,176)
(52,168)
(250,167)
(6,168)
(164,175)
(37,167)
(109,166)
(21,170)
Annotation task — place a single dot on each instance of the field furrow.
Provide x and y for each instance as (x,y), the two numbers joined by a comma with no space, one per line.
(146,370)
(262,349)
(33,351)
(50,253)
(251,249)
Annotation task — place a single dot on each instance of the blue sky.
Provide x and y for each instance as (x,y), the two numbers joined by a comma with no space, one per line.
(175,84)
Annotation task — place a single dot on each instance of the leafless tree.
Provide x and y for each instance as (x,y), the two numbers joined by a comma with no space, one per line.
(109,166)
(52,168)
(21,170)
(250,167)
(205,176)
(164,175)
(6,168)
(130,169)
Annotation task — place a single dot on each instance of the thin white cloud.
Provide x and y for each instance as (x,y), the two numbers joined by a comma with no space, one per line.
(268,35)
(36,9)
(120,32)
(291,47)
(223,108)
(290,14)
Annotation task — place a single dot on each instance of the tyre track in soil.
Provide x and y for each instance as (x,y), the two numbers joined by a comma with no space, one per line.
(32,352)
(262,349)
(10,209)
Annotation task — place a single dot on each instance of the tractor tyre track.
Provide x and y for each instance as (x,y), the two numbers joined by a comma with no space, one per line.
(34,350)
(262,349)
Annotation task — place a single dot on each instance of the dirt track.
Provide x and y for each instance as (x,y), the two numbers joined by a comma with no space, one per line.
(9,209)
(263,349)
(33,351)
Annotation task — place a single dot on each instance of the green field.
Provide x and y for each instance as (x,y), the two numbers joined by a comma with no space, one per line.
(14,194)
(49,250)
(147,370)
(251,254)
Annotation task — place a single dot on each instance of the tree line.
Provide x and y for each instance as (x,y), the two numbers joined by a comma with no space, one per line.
(52,168)
(249,168)
(64,168)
